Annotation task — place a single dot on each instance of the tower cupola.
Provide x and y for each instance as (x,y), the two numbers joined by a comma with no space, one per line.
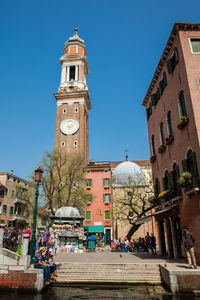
(74,64)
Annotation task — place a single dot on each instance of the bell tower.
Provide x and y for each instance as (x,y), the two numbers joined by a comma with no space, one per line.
(73,100)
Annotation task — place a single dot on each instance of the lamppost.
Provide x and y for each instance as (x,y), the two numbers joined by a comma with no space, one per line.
(38,179)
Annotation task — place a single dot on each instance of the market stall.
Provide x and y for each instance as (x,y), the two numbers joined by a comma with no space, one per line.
(68,224)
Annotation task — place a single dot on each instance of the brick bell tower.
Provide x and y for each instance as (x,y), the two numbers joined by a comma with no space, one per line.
(73,100)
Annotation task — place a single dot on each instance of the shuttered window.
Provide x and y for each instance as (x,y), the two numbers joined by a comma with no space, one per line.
(89,198)
(88,182)
(106,214)
(169,124)
(106,182)
(162,135)
(149,111)
(106,198)
(173,61)
(153,149)
(88,215)
(182,104)
(4,209)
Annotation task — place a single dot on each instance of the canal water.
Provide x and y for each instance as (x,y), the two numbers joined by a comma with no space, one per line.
(93,293)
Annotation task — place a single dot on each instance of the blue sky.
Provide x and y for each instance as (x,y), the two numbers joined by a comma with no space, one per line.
(124,40)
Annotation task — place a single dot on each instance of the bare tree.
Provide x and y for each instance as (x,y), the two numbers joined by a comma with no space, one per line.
(132,201)
(63,177)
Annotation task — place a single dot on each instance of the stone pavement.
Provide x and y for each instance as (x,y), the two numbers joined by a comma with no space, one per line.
(104,255)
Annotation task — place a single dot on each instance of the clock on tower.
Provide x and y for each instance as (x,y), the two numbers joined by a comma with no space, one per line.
(73,100)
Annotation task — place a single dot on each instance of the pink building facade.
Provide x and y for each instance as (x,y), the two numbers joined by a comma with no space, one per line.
(98,214)
(173,110)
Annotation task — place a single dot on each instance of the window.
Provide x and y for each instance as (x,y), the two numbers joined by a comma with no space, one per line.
(190,164)
(75,143)
(63,144)
(106,214)
(72,71)
(153,150)
(149,111)
(106,182)
(169,124)
(4,209)
(88,215)
(0,207)
(155,97)
(13,193)
(182,105)
(89,198)
(1,194)
(195,45)
(166,181)
(157,188)
(76,110)
(106,171)
(163,83)
(11,210)
(175,177)
(173,61)
(162,135)
(106,198)
(64,111)
(88,182)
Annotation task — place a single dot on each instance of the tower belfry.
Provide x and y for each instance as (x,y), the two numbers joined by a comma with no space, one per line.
(73,100)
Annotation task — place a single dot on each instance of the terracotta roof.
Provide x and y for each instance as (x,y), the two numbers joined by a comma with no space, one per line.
(114,164)
(175,29)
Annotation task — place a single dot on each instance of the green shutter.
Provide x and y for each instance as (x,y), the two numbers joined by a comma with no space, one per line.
(4,209)
(103,182)
(185,165)
(169,66)
(109,182)
(88,215)
(195,166)
(103,197)
(11,210)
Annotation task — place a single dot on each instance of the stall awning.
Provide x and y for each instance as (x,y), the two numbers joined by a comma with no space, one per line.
(94,228)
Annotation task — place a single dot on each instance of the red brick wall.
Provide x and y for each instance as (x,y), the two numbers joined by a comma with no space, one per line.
(188,283)
(17,279)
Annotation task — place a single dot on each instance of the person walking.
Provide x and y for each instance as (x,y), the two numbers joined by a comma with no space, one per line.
(188,241)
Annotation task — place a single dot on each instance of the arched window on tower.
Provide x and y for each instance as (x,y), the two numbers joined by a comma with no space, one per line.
(153,150)
(162,135)
(182,105)
(169,124)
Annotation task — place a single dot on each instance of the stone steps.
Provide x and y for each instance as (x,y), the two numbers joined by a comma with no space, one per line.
(108,273)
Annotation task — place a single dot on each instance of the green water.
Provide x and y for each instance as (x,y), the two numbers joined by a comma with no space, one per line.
(87,293)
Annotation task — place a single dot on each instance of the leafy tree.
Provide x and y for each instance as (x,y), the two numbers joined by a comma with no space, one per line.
(63,178)
(132,201)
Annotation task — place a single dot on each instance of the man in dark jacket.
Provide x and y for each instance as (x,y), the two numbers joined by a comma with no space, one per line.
(188,241)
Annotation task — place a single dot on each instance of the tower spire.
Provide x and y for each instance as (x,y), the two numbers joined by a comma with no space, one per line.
(126,151)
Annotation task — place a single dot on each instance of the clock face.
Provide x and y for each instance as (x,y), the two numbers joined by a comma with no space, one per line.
(69,126)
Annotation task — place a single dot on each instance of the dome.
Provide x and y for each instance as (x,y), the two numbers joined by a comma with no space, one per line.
(125,171)
(67,212)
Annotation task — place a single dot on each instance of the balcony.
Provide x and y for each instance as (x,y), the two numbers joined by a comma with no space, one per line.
(192,187)
(19,200)
(18,218)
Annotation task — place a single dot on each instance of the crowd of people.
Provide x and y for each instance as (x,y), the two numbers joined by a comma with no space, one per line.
(146,244)
(46,247)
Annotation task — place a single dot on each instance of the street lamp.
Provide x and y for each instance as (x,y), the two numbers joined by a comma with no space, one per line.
(38,179)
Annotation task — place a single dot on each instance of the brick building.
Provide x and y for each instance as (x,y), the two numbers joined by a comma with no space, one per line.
(98,214)
(173,110)
(13,207)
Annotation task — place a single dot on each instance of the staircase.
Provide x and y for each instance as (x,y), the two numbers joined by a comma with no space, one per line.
(138,273)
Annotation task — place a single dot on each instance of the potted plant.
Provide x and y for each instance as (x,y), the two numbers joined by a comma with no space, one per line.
(183,121)
(153,158)
(161,148)
(169,139)
(185,179)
